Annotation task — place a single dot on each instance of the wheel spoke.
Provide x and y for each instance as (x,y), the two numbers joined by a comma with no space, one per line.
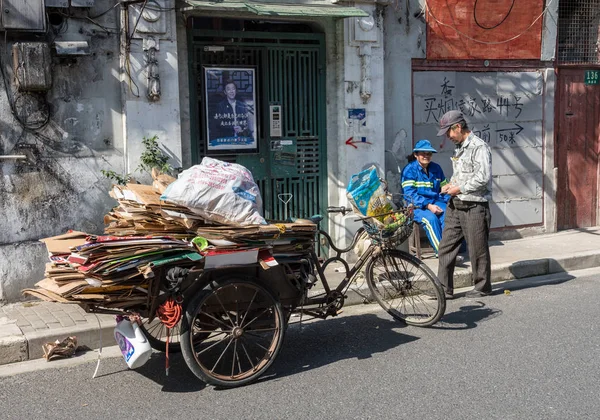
(233,359)
(248,356)
(212,345)
(258,344)
(223,307)
(222,354)
(263,330)
(237,356)
(255,318)
(249,306)
(216,319)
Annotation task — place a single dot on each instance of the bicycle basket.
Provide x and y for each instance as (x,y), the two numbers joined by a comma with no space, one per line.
(397,228)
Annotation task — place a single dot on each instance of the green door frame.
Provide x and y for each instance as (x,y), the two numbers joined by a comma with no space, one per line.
(266,41)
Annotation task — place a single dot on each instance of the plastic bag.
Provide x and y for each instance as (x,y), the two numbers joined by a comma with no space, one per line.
(367,194)
(219,191)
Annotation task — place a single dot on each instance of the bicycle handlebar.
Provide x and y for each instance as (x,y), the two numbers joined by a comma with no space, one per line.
(341,209)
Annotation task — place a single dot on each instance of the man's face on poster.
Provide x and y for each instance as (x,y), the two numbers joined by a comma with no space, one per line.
(230,91)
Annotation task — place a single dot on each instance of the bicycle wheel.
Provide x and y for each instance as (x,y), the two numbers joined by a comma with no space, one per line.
(406,288)
(156,333)
(232,332)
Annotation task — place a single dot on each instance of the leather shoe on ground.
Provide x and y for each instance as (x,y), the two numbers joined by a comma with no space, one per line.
(460,260)
(476,294)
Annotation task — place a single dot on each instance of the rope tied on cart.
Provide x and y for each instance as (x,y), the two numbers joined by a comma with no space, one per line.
(169,313)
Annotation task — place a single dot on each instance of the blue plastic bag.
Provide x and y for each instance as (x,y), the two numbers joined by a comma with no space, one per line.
(367,194)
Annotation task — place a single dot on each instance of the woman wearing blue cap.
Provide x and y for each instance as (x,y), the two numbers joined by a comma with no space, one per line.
(422,181)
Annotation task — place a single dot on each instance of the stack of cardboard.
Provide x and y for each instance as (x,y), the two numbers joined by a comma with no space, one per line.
(141,212)
(112,272)
(143,233)
(282,237)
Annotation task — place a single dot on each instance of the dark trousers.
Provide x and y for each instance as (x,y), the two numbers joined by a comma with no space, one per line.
(471,221)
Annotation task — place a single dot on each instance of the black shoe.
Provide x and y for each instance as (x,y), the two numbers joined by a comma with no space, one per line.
(476,294)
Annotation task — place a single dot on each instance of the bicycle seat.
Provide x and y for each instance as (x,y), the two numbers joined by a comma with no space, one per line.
(315,218)
(312,220)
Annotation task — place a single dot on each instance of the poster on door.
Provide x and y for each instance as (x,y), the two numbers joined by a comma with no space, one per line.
(230,94)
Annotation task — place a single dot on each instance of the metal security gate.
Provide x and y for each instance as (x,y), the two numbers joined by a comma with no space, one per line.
(290,74)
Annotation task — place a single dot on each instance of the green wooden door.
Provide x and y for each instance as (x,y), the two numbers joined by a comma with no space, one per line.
(290,74)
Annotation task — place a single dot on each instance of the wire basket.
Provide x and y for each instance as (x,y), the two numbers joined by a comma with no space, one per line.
(396,232)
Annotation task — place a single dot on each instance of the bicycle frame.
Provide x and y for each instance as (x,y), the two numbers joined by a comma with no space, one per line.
(330,296)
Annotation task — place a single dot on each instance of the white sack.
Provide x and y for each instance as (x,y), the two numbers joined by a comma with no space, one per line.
(218,191)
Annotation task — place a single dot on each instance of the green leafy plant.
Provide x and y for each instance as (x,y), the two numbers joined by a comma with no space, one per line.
(119,179)
(151,157)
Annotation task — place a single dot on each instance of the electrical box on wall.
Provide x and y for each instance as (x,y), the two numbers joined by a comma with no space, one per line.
(148,19)
(31,66)
(82,3)
(57,3)
(23,15)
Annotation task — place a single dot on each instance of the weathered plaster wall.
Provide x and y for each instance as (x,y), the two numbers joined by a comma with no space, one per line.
(160,117)
(404,39)
(60,186)
(361,78)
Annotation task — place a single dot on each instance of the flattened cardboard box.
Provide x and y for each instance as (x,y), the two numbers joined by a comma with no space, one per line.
(62,244)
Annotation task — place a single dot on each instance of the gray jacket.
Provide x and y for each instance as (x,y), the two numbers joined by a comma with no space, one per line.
(472,166)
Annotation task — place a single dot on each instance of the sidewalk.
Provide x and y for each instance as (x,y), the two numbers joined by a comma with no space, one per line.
(24,327)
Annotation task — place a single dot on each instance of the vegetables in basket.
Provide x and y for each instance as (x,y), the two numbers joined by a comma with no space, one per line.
(393,222)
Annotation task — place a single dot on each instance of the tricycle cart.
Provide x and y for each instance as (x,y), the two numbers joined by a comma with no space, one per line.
(234,317)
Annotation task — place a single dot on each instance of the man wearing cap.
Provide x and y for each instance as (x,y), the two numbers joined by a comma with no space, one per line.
(468,213)
(422,181)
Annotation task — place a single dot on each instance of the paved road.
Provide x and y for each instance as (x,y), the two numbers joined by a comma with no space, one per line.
(533,354)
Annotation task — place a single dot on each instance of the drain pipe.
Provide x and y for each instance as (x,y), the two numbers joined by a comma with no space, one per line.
(16,157)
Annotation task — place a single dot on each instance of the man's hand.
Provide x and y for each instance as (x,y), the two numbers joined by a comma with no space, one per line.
(445,188)
(453,190)
(434,209)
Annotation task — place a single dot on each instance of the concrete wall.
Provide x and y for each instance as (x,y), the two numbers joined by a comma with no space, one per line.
(362,87)
(161,116)
(60,186)
(404,39)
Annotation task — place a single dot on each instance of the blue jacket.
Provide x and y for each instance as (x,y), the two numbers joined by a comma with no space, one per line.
(420,188)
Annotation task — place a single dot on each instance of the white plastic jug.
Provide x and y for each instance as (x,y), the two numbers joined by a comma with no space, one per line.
(132,342)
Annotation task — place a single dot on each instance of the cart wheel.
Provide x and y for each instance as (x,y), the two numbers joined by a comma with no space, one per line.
(156,333)
(231,333)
